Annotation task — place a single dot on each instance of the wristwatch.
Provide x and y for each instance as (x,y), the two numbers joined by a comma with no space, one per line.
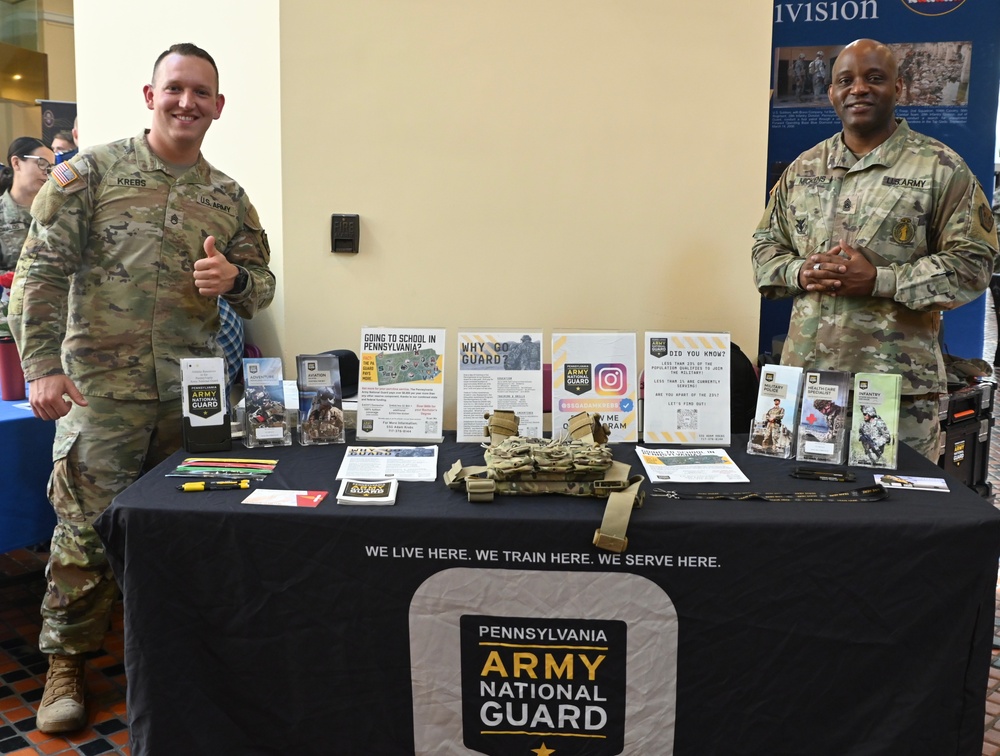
(242,279)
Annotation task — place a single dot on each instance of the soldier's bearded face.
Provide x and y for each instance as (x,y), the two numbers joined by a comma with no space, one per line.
(864,89)
(183,99)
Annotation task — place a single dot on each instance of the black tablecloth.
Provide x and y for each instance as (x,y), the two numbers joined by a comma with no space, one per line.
(772,628)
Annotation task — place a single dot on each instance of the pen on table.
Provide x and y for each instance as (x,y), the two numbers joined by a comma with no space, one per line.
(214,485)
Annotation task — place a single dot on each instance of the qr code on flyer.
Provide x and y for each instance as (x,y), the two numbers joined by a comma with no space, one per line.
(687,419)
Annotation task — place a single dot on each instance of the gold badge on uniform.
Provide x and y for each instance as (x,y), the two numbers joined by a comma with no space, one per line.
(902,232)
(985,217)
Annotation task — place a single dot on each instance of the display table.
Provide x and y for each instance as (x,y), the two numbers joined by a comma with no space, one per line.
(437,626)
(26,517)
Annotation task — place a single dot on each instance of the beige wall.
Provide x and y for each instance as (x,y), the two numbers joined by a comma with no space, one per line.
(546,164)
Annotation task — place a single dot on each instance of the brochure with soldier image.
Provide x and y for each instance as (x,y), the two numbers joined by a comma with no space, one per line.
(772,432)
(266,421)
(823,416)
(875,420)
(321,412)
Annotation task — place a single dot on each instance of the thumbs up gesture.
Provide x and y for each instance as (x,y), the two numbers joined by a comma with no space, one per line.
(214,275)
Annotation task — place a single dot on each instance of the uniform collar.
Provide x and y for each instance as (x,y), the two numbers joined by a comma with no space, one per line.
(147,160)
(885,154)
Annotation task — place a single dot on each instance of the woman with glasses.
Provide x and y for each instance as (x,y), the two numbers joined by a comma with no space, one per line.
(29,162)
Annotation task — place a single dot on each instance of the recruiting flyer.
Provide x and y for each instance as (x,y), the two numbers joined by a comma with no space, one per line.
(401,385)
(499,370)
(595,372)
(686,388)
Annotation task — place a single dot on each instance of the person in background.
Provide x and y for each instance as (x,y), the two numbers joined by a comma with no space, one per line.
(27,170)
(874,232)
(141,237)
(64,146)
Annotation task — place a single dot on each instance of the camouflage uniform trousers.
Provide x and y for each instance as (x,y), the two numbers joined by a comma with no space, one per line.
(99,450)
(920,426)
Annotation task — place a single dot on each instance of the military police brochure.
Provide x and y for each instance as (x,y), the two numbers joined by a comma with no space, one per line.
(595,372)
(772,432)
(279,498)
(686,389)
(401,385)
(367,492)
(690,466)
(416,463)
(499,370)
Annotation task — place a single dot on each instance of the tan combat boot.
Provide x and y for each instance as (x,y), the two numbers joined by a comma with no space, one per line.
(62,709)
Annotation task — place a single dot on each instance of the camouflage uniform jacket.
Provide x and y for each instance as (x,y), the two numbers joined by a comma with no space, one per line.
(14,222)
(119,240)
(916,211)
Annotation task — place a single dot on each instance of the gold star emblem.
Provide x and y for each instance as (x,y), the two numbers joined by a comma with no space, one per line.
(543,751)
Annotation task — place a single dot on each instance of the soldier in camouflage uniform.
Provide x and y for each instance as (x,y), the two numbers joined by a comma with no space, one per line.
(874,434)
(773,420)
(140,237)
(874,232)
(27,169)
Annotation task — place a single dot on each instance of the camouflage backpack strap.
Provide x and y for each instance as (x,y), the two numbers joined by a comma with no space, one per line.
(470,480)
(501,425)
(623,493)
(585,427)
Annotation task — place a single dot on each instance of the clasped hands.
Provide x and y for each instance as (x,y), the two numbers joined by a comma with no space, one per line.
(842,271)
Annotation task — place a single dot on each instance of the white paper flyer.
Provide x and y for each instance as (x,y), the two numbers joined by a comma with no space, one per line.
(415,463)
(686,388)
(401,385)
(690,466)
(595,372)
(499,370)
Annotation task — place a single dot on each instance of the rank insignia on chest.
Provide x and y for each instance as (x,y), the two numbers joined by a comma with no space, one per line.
(985,217)
(847,205)
(903,232)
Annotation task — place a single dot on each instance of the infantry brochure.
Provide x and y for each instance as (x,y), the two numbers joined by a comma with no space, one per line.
(499,370)
(690,466)
(382,462)
(686,388)
(772,432)
(875,420)
(401,385)
(595,372)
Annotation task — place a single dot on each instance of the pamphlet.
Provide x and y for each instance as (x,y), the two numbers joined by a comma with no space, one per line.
(875,420)
(367,492)
(912,482)
(773,430)
(401,385)
(823,416)
(690,466)
(595,373)
(206,425)
(686,388)
(499,370)
(321,412)
(417,463)
(266,419)
(283,498)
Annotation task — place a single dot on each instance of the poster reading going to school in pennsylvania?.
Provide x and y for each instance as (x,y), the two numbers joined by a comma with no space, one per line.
(401,385)
(595,372)
(499,370)
(686,390)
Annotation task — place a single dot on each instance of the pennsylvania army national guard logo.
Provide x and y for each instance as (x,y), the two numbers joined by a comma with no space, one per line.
(204,400)
(657,347)
(577,378)
(902,232)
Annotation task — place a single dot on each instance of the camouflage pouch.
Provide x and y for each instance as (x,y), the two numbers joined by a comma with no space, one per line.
(579,465)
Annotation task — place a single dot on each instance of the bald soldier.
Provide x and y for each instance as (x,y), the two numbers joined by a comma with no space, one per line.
(874,232)
(140,238)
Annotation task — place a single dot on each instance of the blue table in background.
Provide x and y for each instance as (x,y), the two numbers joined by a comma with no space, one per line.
(26,517)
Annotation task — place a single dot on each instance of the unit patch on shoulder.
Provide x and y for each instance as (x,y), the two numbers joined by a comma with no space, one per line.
(985,217)
(65,175)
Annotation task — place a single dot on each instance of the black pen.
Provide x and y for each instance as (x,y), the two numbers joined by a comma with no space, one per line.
(214,485)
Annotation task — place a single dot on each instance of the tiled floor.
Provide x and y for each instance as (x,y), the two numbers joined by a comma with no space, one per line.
(22,667)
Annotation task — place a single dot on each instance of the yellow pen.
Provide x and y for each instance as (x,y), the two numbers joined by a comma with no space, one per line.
(214,485)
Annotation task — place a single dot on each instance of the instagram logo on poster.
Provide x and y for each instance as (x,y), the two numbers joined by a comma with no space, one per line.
(611,379)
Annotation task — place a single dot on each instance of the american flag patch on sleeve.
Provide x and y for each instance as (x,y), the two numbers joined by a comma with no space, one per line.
(65,175)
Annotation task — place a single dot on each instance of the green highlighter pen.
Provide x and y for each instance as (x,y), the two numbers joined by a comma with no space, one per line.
(214,485)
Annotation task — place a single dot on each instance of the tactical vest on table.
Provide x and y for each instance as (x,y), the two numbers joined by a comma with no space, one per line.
(579,465)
